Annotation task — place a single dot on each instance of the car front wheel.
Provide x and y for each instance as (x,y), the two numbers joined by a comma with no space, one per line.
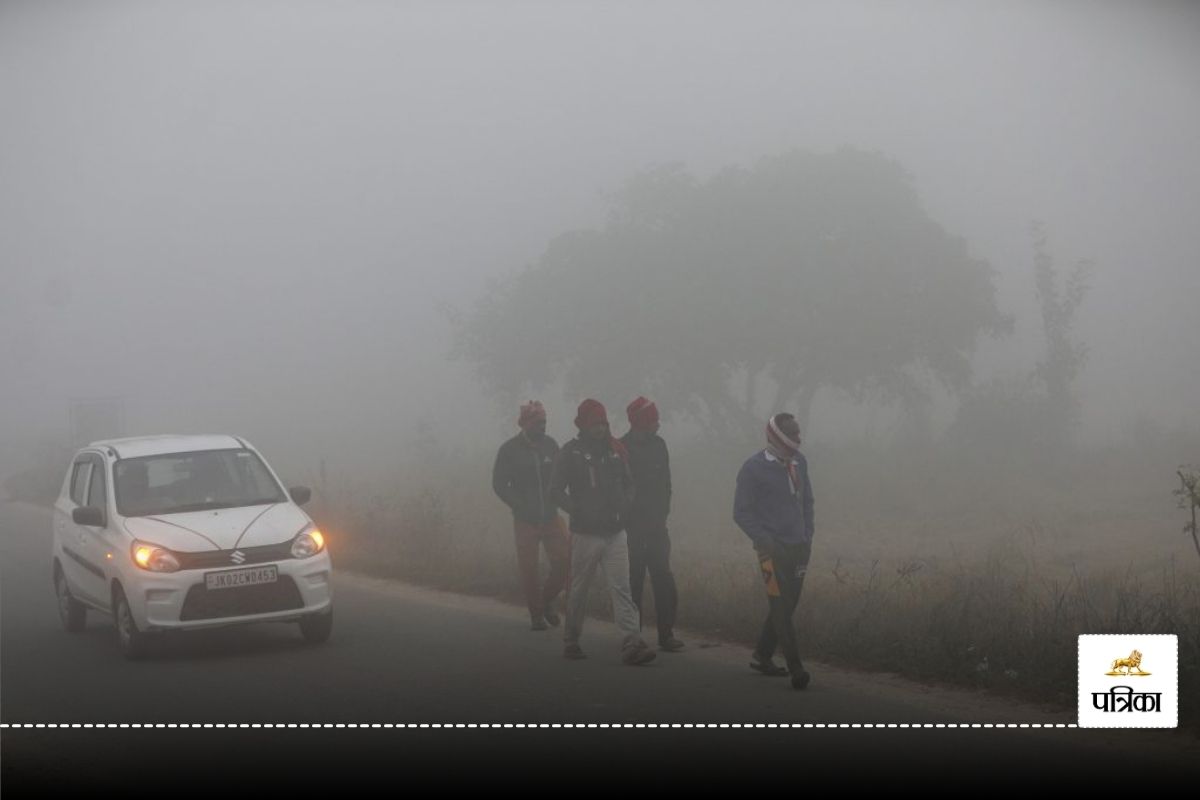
(72,612)
(130,640)
(317,627)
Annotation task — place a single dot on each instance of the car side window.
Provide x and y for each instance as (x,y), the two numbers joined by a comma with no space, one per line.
(97,494)
(79,481)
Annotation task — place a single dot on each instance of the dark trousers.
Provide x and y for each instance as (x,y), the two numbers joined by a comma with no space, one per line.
(783,575)
(650,550)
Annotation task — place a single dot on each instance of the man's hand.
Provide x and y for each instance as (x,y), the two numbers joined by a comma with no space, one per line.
(765,547)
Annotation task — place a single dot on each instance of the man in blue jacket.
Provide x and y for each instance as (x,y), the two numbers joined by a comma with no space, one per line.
(773,505)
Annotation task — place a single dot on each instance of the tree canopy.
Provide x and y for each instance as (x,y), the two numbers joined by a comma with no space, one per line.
(730,298)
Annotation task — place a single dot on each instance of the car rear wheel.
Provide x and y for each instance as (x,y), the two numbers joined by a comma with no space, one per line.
(130,640)
(72,612)
(317,627)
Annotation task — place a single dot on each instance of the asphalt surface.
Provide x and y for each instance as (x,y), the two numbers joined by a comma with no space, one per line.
(400,655)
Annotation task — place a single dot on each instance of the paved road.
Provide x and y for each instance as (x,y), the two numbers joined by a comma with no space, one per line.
(400,654)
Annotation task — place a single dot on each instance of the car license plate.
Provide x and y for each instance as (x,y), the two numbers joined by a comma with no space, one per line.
(231,579)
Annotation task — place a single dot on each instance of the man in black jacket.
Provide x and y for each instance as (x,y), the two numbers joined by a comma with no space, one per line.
(592,483)
(649,545)
(521,478)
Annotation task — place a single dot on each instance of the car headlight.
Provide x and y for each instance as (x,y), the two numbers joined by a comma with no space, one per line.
(308,543)
(153,558)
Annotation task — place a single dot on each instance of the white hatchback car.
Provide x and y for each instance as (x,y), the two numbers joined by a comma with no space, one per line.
(182,532)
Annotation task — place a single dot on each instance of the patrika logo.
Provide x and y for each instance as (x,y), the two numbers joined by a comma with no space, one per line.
(1129,665)
(1135,691)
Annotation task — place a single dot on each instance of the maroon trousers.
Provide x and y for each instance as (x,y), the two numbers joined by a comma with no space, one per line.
(553,537)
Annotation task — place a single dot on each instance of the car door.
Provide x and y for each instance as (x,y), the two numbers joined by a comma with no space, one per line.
(70,535)
(97,542)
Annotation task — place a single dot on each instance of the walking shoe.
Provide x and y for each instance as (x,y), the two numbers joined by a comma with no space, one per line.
(537,624)
(800,677)
(767,666)
(573,652)
(637,655)
(670,644)
(552,618)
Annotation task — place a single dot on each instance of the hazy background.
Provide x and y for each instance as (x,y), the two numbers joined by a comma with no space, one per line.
(249,216)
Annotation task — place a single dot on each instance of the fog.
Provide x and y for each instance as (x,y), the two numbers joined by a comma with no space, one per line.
(264,218)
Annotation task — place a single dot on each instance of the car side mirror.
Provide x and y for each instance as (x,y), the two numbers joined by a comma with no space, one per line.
(300,494)
(88,515)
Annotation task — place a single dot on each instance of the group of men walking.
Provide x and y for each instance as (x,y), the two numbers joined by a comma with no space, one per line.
(617,495)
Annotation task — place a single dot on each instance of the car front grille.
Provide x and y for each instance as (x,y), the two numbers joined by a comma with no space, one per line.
(201,603)
(210,559)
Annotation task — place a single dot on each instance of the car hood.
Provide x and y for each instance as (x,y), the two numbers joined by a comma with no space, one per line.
(220,529)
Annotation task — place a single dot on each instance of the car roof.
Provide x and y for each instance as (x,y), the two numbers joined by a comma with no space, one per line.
(138,446)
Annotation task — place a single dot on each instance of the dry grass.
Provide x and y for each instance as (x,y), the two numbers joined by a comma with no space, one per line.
(974,576)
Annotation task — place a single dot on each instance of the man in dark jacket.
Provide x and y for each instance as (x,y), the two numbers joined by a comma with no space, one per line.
(774,507)
(521,478)
(649,545)
(592,483)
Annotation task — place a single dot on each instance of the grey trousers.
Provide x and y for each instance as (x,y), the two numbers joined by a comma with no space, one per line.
(611,555)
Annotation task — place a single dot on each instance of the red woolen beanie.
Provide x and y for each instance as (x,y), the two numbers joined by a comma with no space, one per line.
(530,413)
(643,414)
(591,412)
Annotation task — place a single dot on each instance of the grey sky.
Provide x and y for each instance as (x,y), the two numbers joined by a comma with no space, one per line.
(216,209)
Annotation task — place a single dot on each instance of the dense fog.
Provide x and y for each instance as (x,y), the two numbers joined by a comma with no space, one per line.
(280,219)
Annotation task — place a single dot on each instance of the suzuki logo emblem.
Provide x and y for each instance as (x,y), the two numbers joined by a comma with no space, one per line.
(237,557)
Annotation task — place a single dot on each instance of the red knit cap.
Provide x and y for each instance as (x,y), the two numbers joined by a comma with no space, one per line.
(591,412)
(643,414)
(531,412)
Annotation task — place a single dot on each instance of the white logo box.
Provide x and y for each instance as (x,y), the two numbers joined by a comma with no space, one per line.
(1130,699)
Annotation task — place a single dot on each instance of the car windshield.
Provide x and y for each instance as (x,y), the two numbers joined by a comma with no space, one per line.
(207,479)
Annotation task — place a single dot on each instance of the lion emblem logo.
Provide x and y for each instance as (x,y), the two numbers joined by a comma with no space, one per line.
(1126,666)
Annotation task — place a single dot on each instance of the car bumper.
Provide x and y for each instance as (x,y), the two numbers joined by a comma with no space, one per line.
(181,601)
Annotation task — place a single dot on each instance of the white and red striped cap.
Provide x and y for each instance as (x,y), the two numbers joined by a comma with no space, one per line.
(779,439)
